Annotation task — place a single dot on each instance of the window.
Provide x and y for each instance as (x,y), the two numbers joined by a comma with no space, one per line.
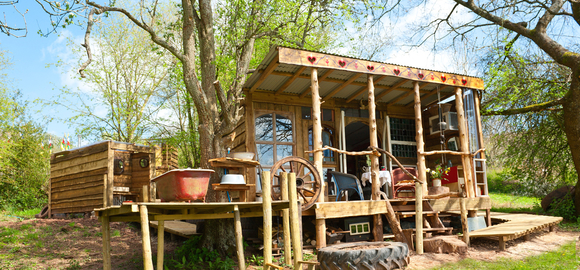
(403,133)
(359,228)
(327,140)
(327,114)
(274,138)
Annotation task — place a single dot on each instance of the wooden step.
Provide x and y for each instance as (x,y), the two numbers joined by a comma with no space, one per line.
(412,213)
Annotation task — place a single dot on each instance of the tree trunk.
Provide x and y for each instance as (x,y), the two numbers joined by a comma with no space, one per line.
(571,108)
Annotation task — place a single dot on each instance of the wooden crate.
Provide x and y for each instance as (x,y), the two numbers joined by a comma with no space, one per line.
(98,175)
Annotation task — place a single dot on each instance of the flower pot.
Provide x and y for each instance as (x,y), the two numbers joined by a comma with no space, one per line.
(436,182)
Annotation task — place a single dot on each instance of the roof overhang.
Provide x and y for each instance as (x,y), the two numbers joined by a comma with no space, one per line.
(287,71)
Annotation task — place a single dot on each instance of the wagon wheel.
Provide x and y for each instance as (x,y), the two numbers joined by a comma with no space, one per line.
(308,180)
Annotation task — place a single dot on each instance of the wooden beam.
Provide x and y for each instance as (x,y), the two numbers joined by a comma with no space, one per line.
(464,223)
(106,232)
(403,96)
(464,141)
(390,89)
(363,90)
(273,65)
(290,81)
(339,88)
(323,77)
(316,144)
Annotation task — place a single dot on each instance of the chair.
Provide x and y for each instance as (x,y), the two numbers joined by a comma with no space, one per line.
(345,182)
(403,182)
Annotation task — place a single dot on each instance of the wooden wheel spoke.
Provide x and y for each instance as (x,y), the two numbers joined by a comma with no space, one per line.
(302,194)
(307,174)
(275,185)
(299,171)
(282,168)
(309,182)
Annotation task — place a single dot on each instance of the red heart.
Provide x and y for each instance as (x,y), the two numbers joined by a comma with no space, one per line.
(371,68)
(454,81)
(396,71)
(341,63)
(443,78)
(311,59)
(420,75)
(432,77)
(464,81)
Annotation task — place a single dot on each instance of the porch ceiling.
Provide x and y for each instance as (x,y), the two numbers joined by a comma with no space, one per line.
(287,71)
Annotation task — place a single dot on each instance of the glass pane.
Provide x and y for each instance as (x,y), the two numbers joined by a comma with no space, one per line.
(306,113)
(469,106)
(327,115)
(265,154)
(283,151)
(264,128)
(283,129)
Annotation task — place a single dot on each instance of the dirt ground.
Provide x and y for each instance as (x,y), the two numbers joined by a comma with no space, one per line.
(77,244)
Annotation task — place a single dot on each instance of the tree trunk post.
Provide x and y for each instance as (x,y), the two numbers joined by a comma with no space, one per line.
(374,141)
(421,170)
(160,243)
(317,144)
(267,209)
(294,217)
(464,223)
(106,231)
(146,238)
(464,141)
(286,219)
(239,239)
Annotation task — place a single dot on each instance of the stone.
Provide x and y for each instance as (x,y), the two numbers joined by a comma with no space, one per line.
(438,190)
(445,244)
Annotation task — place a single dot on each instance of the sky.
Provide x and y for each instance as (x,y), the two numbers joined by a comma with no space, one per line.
(33,57)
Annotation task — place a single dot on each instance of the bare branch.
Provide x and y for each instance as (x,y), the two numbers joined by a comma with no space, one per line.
(87,42)
(5,26)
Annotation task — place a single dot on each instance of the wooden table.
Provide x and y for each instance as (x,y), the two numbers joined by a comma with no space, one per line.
(144,212)
(242,188)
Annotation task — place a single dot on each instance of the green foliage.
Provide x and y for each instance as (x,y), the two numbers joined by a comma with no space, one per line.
(191,256)
(501,182)
(564,207)
(562,258)
(508,203)
(257,260)
(534,144)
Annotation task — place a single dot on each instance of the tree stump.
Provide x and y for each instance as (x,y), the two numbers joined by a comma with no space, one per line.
(445,244)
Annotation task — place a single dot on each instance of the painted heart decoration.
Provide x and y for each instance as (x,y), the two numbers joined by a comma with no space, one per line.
(341,63)
(311,59)
(443,78)
(464,81)
(420,75)
(454,81)
(371,68)
(397,71)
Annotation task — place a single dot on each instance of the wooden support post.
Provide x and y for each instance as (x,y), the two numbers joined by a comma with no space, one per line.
(108,193)
(160,243)
(145,193)
(421,170)
(464,141)
(552,228)
(501,243)
(418,218)
(318,155)
(106,231)
(374,141)
(239,240)
(464,224)
(286,219)
(488,217)
(527,237)
(267,209)
(295,226)
(146,240)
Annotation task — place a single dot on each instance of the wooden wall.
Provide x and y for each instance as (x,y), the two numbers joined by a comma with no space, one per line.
(77,179)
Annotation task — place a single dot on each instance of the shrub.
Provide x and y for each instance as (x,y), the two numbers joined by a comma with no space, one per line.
(564,207)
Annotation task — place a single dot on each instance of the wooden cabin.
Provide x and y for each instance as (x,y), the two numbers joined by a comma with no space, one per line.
(104,174)
(279,116)
(299,100)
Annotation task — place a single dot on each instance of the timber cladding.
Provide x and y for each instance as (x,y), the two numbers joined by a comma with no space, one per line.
(90,177)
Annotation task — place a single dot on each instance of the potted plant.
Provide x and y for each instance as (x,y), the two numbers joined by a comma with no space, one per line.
(437,173)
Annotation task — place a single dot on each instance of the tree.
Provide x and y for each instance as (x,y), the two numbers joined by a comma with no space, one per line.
(541,24)
(123,80)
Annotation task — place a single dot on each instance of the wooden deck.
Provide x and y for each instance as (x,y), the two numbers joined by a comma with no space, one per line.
(515,226)
(180,228)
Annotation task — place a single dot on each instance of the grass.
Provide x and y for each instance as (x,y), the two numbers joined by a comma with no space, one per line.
(507,203)
(562,258)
